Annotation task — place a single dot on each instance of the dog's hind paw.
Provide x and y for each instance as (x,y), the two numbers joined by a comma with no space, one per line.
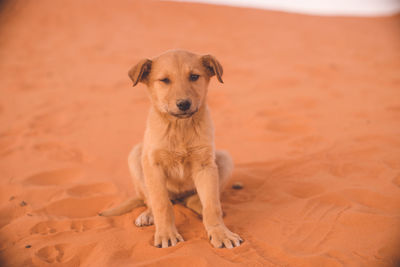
(144,219)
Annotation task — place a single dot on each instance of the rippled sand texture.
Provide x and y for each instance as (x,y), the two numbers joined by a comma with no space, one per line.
(310,111)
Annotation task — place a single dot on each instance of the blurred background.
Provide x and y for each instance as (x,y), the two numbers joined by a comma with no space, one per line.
(315,7)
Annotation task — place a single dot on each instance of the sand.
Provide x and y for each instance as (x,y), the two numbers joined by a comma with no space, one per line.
(309,110)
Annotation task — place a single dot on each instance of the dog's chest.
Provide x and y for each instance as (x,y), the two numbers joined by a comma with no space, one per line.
(179,165)
(176,164)
(177,168)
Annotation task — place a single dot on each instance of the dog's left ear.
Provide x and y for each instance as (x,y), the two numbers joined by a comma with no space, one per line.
(140,71)
(212,66)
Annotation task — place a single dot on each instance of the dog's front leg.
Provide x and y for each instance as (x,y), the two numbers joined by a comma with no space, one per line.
(207,186)
(166,233)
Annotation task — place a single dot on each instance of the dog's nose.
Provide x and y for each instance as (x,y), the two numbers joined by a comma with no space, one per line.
(183,104)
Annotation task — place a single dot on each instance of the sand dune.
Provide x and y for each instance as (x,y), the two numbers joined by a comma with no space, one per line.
(310,111)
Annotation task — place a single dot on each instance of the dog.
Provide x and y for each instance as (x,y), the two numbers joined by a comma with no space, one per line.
(177,160)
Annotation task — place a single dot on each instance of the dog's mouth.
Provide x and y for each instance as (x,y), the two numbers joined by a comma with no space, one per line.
(184,114)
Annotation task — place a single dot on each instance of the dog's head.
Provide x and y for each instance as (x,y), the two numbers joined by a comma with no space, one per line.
(177,80)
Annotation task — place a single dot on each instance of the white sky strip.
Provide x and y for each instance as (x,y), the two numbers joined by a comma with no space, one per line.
(317,7)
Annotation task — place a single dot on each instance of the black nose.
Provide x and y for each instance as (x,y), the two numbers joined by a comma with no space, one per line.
(183,104)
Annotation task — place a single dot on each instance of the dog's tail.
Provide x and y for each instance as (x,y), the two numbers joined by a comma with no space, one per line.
(125,207)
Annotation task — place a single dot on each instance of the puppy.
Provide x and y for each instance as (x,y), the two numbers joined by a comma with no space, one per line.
(177,160)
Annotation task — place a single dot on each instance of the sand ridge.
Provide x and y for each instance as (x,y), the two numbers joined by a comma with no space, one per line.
(309,111)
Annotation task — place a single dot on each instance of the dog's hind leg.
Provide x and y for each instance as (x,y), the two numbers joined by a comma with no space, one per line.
(225,168)
(135,167)
(136,170)
(193,202)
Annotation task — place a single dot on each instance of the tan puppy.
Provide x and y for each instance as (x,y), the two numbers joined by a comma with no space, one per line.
(177,159)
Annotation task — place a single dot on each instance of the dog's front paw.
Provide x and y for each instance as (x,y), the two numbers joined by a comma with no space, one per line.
(167,238)
(220,237)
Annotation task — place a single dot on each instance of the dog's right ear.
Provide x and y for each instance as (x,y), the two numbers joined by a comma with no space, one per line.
(140,71)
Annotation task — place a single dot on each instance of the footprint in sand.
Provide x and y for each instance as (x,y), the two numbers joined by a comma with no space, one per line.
(61,152)
(48,227)
(87,199)
(12,211)
(396,180)
(77,207)
(68,254)
(9,141)
(53,254)
(92,189)
(86,225)
(58,121)
(54,177)
(53,227)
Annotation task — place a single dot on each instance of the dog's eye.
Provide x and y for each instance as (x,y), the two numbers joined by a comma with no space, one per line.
(194,77)
(165,80)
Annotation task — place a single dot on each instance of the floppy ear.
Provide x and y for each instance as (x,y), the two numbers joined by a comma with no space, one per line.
(140,71)
(212,66)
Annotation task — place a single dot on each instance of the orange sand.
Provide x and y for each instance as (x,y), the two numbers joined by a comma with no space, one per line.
(310,111)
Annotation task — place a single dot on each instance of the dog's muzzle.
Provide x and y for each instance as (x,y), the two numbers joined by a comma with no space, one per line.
(184,114)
